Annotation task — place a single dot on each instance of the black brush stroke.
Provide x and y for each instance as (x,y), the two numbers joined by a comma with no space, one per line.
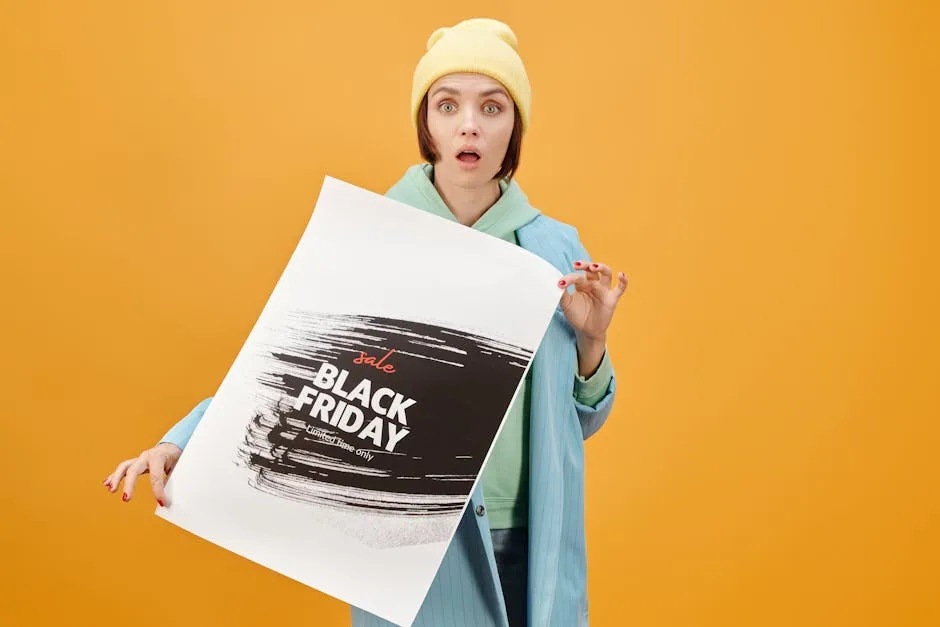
(462,383)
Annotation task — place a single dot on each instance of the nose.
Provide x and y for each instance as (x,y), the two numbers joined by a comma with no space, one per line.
(469,127)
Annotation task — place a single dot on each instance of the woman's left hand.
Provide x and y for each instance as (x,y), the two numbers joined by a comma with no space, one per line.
(591,307)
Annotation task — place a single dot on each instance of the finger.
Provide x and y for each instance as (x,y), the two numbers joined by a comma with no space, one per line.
(584,265)
(156,465)
(575,278)
(602,270)
(621,286)
(581,283)
(566,299)
(135,469)
(115,479)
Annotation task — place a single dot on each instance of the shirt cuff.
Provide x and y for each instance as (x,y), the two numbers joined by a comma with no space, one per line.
(589,391)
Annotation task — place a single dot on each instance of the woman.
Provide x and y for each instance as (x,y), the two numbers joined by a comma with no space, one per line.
(518,557)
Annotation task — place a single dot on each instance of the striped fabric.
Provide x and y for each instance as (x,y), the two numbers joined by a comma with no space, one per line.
(466,590)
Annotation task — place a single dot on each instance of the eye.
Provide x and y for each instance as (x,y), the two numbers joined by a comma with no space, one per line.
(447,107)
(491,109)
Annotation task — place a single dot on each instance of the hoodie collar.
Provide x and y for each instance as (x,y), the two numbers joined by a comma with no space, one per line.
(510,212)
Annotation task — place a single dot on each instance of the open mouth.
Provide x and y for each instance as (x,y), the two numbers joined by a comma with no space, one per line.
(468,156)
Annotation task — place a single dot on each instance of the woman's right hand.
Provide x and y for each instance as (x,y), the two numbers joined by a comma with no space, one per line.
(158,461)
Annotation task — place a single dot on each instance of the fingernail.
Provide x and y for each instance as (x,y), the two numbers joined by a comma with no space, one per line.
(561,284)
(124,497)
(594,266)
(578,264)
(160,501)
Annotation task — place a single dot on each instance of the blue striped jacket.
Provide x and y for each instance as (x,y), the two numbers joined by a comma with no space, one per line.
(466,591)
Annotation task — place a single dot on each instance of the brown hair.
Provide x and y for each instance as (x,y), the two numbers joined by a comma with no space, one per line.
(513,150)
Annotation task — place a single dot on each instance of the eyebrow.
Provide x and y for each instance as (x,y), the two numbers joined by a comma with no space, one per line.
(454,92)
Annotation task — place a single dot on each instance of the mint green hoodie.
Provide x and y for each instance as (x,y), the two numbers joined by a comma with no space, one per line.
(505,477)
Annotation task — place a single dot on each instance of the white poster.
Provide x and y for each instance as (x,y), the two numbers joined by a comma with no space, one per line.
(344,442)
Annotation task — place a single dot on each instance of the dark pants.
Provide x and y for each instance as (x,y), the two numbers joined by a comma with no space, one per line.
(511,547)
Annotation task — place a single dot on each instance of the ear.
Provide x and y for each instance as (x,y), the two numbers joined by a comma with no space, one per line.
(494,27)
(436,36)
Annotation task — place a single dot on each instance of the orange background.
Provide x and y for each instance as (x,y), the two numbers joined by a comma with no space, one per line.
(760,170)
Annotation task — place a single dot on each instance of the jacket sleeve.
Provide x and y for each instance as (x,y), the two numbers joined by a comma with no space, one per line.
(180,433)
(594,396)
(593,417)
(591,390)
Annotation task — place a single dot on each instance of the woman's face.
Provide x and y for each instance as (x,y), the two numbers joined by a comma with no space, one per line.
(470,117)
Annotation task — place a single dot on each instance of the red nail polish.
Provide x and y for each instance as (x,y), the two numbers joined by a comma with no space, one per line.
(594,266)
(561,284)
(160,501)
(124,496)
(578,264)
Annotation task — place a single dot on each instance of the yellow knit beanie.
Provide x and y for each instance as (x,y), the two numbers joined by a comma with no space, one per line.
(479,45)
